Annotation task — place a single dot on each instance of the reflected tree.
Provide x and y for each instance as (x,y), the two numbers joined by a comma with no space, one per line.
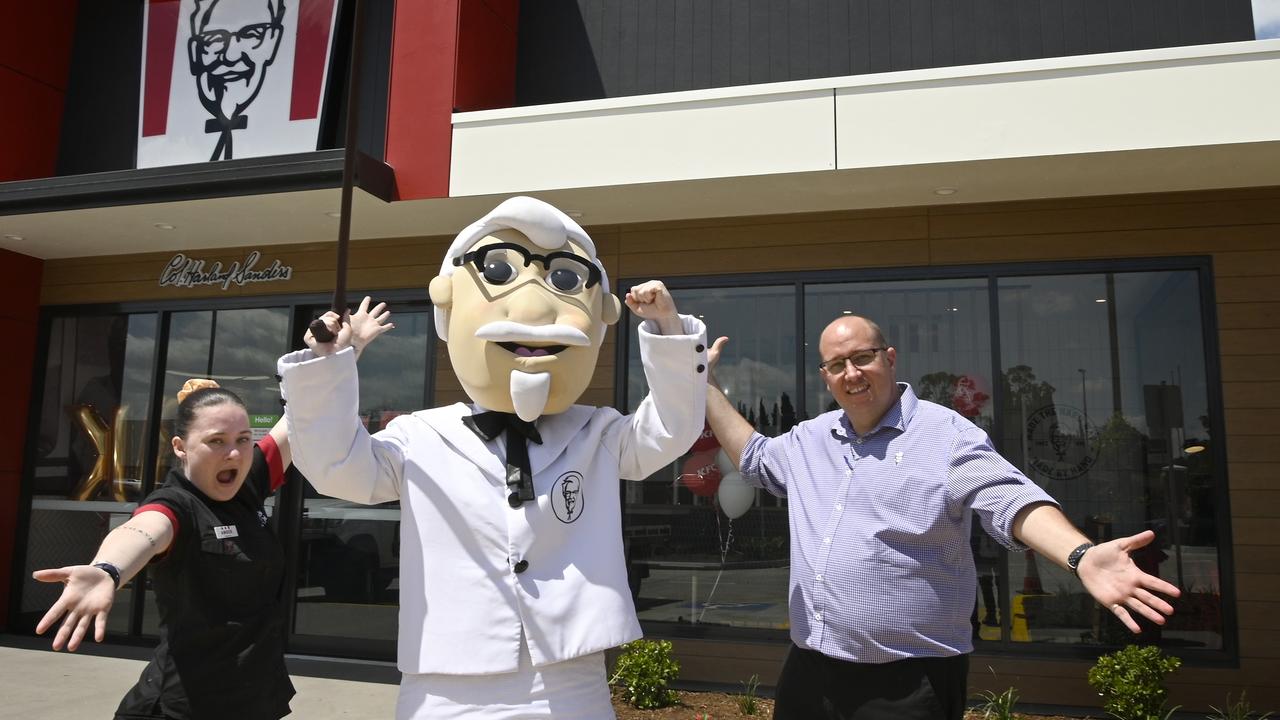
(938,387)
(787,418)
(1022,390)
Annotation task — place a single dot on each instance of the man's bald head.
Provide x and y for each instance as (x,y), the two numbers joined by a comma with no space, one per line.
(847,325)
(865,385)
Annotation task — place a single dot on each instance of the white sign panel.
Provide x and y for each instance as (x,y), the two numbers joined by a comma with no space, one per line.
(225,79)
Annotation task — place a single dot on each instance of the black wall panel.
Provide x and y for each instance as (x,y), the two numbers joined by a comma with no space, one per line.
(588,49)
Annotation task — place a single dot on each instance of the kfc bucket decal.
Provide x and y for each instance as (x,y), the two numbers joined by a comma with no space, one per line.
(225,79)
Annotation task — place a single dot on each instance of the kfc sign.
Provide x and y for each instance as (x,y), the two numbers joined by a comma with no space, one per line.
(226,79)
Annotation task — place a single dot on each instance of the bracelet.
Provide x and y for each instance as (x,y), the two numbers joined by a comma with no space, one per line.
(111,570)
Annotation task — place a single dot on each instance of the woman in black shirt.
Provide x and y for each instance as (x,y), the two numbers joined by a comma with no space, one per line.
(217,568)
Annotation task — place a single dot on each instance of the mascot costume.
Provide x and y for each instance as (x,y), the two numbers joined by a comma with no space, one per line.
(512,576)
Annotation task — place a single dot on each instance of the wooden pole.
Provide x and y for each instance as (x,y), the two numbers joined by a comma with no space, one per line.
(339,306)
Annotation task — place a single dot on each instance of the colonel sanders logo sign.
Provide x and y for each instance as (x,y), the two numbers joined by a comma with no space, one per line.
(226,79)
(1062,442)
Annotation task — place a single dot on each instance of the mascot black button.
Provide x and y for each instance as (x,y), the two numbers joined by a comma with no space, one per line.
(521,566)
(514,500)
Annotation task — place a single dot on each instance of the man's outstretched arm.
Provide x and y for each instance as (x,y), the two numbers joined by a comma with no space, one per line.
(1107,570)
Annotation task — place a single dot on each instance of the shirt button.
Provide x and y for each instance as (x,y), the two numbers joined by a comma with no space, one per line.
(514,500)
(839,506)
(700,368)
(826,541)
(521,566)
(817,616)
(818,577)
(699,349)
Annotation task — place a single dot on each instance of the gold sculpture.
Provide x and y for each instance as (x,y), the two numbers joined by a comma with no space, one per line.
(109,441)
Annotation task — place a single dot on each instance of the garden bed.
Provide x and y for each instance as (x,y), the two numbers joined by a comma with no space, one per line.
(724,706)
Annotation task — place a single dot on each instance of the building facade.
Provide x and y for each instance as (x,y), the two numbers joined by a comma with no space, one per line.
(1065,215)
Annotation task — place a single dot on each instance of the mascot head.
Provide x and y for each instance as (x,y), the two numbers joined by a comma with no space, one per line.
(523,304)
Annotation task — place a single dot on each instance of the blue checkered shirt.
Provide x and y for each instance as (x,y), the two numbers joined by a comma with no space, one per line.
(881,568)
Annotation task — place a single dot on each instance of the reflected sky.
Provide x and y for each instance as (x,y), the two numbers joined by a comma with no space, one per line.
(1266,19)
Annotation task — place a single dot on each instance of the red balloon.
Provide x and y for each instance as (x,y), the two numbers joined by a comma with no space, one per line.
(701,474)
(706,441)
(969,396)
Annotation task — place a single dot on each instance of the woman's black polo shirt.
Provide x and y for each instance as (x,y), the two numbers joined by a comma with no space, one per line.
(219,590)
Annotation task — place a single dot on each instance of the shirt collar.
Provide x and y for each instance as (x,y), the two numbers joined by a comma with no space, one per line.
(898,416)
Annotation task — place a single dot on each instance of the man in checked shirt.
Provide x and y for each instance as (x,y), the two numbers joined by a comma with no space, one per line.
(880,494)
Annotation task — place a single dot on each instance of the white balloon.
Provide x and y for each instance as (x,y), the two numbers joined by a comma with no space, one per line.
(724,463)
(735,496)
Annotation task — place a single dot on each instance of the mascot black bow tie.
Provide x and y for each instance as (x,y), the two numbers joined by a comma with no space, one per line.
(488,425)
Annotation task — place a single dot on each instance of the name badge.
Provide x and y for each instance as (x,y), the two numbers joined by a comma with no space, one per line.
(226,531)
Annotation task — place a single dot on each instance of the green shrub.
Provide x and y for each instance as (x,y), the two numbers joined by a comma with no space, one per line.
(747,700)
(1238,710)
(1131,682)
(997,706)
(644,669)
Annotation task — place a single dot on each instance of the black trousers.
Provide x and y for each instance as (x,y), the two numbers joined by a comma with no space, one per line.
(813,686)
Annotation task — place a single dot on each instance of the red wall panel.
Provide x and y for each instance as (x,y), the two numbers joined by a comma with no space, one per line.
(35,39)
(444,55)
(29,123)
(486,76)
(423,54)
(35,58)
(20,276)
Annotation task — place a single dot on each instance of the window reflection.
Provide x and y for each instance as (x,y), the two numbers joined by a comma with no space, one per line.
(90,446)
(1105,388)
(689,562)
(349,554)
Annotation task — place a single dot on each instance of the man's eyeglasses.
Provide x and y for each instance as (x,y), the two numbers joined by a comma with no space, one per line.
(860,359)
(565,272)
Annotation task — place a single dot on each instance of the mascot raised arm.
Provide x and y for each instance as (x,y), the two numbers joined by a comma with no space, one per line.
(512,576)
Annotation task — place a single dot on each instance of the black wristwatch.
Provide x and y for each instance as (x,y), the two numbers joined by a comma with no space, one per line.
(1074,558)
(111,570)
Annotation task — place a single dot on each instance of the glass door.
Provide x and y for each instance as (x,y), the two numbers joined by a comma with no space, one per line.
(347,573)
(89,454)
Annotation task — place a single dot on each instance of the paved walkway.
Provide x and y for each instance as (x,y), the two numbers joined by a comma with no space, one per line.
(37,683)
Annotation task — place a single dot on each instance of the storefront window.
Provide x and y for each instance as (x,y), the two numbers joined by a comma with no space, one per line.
(700,553)
(349,554)
(1104,400)
(1107,408)
(90,448)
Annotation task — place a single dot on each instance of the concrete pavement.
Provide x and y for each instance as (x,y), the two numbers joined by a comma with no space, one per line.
(37,683)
